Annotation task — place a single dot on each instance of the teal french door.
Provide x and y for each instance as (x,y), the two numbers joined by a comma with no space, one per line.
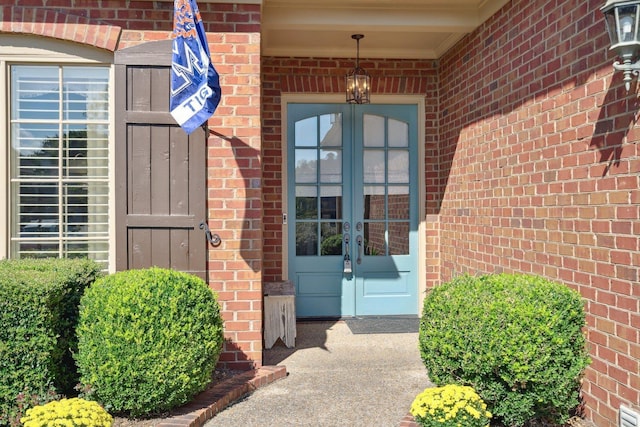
(352,220)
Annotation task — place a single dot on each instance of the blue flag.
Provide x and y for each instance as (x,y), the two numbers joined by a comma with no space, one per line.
(195,84)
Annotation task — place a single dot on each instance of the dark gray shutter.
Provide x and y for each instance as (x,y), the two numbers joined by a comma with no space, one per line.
(160,191)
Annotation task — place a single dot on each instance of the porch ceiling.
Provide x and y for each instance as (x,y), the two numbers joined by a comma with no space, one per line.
(415,29)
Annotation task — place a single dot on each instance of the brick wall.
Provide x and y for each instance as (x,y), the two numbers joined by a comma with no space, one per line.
(326,76)
(539,173)
(234,150)
(532,161)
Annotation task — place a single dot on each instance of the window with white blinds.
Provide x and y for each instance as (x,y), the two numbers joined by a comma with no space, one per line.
(59,161)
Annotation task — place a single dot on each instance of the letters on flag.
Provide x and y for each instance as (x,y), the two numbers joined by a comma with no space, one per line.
(195,84)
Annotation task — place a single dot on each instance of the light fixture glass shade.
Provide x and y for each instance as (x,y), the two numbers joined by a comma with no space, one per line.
(358,84)
(622,19)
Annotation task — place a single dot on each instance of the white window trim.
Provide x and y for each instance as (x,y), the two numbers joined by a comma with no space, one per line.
(21,49)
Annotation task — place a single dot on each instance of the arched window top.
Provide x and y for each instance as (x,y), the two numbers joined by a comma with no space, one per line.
(18,47)
(63,26)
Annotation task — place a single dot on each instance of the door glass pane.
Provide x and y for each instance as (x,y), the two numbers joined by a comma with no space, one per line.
(374,202)
(398,200)
(331,130)
(398,166)
(306,208)
(374,239)
(373,163)
(330,166)
(373,131)
(331,238)
(331,202)
(306,133)
(306,238)
(319,204)
(398,238)
(398,133)
(306,166)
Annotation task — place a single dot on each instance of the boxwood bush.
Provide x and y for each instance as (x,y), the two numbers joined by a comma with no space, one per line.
(39,301)
(516,339)
(149,340)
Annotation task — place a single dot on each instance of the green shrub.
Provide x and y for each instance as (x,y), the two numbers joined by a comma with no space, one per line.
(39,301)
(68,412)
(149,340)
(332,245)
(516,339)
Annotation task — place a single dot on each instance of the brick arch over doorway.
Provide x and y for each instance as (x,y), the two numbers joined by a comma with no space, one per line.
(59,25)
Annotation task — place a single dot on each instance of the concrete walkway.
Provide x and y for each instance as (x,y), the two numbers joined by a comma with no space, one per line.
(336,378)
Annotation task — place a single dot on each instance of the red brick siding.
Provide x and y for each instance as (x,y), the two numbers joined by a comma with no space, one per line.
(234,150)
(326,76)
(540,167)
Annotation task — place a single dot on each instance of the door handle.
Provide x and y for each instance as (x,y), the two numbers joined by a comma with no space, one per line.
(359,241)
(347,239)
(347,259)
(212,238)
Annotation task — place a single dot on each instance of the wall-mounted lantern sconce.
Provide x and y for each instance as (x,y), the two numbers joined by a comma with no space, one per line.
(622,24)
(358,81)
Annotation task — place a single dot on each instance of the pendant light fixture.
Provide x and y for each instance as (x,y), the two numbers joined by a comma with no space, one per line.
(358,82)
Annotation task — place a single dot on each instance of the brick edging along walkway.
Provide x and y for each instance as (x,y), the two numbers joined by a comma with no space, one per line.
(408,421)
(210,402)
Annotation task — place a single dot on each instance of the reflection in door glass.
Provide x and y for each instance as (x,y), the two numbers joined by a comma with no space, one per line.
(374,239)
(306,133)
(374,202)
(306,238)
(398,133)
(398,166)
(331,130)
(373,131)
(331,238)
(306,166)
(330,166)
(398,238)
(373,164)
(386,201)
(318,177)
(331,202)
(306,208)
(399,202)
(306,202)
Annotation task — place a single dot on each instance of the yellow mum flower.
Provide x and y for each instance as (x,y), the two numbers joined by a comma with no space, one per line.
(67,413)
(450,406)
